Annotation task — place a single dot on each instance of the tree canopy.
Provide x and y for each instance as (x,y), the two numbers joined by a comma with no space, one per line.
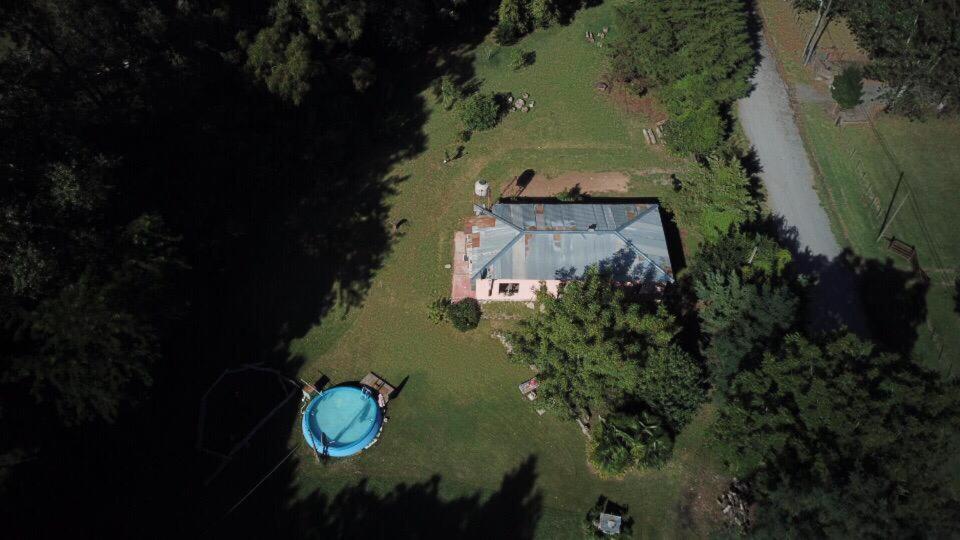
(590,344)
(746,300)
(601,353)
(850,442)
(847,88)
(479,112)
(697,52)
(713,197)
(912,47)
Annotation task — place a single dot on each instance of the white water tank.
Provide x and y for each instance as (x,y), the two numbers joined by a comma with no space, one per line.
(481,187)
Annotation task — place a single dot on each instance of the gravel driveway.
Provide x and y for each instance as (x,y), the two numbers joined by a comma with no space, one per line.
(768,121)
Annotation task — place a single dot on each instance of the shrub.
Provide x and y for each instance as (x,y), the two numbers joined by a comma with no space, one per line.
(697,131)
(623,441)
(520,58)
(574,194)
(465,314)
(479,112)
(447,92)
(847,88)
(437,310)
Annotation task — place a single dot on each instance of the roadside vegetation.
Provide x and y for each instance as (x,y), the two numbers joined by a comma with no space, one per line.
(869,170)
(911,45)
(697,55)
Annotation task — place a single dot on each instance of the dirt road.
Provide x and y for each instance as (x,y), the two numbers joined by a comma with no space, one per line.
(768,121)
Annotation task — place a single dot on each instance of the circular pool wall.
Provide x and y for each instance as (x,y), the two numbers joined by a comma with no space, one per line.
(342,421)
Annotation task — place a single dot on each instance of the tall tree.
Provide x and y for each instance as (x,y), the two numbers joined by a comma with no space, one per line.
(714,197)
(81,282)
(671,384)
(746,301)
(912,46)
(847,442)
(699,52)
(590,344)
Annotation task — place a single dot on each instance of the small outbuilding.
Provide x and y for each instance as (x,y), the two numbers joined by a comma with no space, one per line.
(609,524)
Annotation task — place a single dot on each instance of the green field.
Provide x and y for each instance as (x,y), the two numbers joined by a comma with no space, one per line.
(460,415)
(859,168)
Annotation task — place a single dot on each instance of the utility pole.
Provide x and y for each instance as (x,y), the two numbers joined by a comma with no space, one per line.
(887,222)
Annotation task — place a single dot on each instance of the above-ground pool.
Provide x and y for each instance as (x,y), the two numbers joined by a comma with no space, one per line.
(342,421)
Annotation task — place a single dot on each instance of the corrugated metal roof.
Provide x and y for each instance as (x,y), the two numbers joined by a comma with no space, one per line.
(560,241)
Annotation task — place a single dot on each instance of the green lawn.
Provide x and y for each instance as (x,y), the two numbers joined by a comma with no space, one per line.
(859,168)
(460,415)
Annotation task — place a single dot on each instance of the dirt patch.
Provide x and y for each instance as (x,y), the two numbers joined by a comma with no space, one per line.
(697,509)
(646,105)
(542,186)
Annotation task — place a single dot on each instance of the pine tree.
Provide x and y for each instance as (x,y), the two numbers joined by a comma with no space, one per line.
(848,442)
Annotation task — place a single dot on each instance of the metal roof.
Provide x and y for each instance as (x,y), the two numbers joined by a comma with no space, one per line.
(561,240)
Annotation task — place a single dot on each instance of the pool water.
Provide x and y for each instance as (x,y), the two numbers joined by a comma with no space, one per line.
(342,421)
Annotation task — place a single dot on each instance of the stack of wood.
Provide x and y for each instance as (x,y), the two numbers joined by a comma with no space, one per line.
(734,507)
(649,136)
(655,135)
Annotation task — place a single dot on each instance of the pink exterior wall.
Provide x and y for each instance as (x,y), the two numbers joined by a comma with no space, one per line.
(527,289)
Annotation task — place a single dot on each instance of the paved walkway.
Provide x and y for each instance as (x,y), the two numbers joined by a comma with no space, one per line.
(461,285)
(768,121)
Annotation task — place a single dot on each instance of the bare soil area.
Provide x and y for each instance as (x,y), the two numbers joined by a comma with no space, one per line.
(645,105)
(540,185)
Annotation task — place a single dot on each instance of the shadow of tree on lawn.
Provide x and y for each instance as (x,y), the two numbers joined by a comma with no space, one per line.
(416,510)
(284,213)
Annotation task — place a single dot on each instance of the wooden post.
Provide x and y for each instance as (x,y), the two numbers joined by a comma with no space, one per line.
(884,229)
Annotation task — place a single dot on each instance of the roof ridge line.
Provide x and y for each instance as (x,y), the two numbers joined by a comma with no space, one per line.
(497,216)
(639,216)
(636,250)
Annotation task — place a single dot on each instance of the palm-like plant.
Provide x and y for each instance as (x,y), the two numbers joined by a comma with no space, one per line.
(626,440)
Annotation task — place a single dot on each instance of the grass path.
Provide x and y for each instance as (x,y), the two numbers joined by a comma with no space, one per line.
(460,415)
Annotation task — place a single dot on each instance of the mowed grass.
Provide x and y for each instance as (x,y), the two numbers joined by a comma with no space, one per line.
(859,169)
(460,415)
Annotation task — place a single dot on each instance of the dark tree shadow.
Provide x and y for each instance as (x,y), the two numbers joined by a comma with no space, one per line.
(525,178)
(872,298)
(283,215)
(529,58)
(567,9)
(894,300)
(752,166)
(956,295)
(755,31)
(619,266)
(417,510)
